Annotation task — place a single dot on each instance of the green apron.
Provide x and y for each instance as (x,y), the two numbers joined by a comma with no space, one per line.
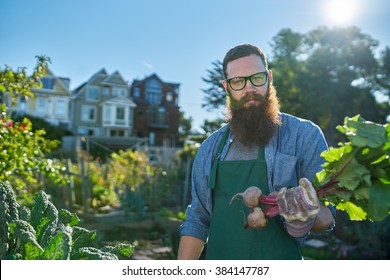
(227,237)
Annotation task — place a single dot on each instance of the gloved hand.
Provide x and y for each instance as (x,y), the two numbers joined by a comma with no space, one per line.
(298,203)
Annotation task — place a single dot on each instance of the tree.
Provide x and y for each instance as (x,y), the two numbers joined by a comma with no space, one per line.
(19,83)
(338,74)
(383,76)
(211,126)
(323,75)
(287,64)
(215,93)
(24,151)
(185,127)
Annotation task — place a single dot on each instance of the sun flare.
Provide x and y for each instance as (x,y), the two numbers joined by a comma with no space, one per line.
(341,12)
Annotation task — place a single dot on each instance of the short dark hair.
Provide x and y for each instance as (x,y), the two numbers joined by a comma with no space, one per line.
(242,51)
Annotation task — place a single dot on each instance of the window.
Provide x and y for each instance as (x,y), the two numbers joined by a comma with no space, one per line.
(107,113)
(152,138)
(153,92)
(161,113)
(22,104)
(88,113)
(92,93)
(169,97)
(137,92)
(41,106)
(117,91)
(120,113)
(117,132)
(90,131)
(105,91)
(60,107)
(48,83)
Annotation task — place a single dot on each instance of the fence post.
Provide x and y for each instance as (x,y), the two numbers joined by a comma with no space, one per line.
(84,187)
(70,185)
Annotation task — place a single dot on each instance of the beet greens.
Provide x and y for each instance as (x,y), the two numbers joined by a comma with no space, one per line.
(356,175)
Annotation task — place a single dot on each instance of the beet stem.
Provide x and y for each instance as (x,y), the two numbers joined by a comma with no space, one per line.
(268,199)
(272,211)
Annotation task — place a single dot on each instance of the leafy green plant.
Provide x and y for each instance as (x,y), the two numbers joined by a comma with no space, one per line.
(356,175)
(47,233)
(24,151)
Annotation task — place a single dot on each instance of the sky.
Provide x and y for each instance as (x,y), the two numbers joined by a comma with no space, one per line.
(176,39)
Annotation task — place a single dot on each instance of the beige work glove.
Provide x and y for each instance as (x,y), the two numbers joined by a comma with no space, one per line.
(299,203)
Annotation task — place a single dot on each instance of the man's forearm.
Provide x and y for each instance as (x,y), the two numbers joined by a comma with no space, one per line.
(190,248)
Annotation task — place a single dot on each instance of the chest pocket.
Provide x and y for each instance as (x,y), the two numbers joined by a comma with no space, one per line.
(285,171)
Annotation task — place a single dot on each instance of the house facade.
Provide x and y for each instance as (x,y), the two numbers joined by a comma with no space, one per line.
(102,107)
(51,102)
(157,113)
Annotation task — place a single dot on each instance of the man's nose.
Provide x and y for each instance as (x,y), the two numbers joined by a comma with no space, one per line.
(249,87)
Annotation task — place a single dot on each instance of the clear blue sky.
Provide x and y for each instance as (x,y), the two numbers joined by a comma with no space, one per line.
(176,39)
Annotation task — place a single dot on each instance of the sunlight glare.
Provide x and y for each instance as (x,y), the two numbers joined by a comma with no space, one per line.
(341,12)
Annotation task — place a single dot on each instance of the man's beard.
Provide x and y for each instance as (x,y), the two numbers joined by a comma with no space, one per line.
(256,124)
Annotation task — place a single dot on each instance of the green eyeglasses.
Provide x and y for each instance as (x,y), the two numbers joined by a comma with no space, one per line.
(257,80)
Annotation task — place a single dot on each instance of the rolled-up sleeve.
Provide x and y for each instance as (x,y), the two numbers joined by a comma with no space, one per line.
(198,215)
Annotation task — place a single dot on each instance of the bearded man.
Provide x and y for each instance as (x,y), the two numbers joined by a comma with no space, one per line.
(259,146)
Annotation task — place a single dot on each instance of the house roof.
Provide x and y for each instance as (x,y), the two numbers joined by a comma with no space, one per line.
(172,86)
(119,100)
(100,78)
(115,79)
(59,81)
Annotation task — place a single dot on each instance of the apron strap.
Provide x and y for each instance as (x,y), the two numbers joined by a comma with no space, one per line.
(213,173)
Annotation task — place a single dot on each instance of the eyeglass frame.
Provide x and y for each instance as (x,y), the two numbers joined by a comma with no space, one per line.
(246,78)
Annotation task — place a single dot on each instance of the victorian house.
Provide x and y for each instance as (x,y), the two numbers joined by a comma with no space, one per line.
(101,108)
(50,102)
(157,114)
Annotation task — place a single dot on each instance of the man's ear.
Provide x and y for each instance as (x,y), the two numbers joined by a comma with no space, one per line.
(225,85)
(270,79)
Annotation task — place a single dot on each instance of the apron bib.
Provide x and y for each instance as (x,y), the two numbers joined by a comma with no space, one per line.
(227,237)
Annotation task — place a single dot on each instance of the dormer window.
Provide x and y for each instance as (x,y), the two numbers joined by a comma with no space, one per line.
(93,93)
(48,83)
(118,91)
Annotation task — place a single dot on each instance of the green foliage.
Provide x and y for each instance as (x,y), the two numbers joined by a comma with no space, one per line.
(164,212)
(46,233)
(124,178)
(215,96)
(211,126)
(188,152)
(128,168)
(356,175)
(19,83)
(185,126)
(322,75)
(53,132)
(24,151)
(328,73)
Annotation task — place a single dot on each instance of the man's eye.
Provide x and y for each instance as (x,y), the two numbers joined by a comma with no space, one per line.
(258,79)
(237,81)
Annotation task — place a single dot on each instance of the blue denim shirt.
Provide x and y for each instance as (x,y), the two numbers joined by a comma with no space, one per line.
(292,153)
